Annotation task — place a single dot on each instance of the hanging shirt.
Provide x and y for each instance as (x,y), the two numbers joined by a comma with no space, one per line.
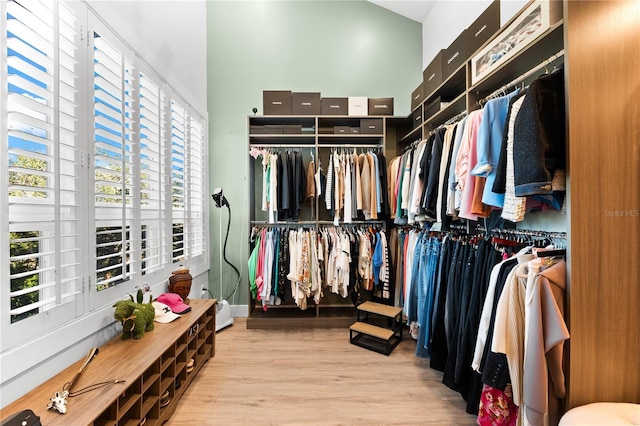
(273,188)
(347,189)
(365,177)
(467,187)
(453,178)
(372,185)
(328,192)
(490,135)
(444,163)
(514,207)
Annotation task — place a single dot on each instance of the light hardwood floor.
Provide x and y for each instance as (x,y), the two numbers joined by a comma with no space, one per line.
(294,377)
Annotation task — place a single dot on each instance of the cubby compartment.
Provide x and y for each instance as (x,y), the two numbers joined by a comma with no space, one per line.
(150,400)
(132,415)
(128,399)
(167,359)
(150,376)
(181,344)
(108,417)
(181,359)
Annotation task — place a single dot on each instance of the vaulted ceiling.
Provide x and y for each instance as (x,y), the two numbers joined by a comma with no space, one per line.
(412,9)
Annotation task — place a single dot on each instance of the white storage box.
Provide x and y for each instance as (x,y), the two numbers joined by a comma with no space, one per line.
(358,105)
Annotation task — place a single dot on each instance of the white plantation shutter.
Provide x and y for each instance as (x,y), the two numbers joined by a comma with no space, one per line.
(42,153)
(196,188)
(152,173)
(115,164)
(178,214)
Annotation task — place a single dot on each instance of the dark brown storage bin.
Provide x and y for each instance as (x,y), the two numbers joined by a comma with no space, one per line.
(295,129)
(341,130)
(335,106)
(256,130)
(417,96)
(484,27)
(454,55)
(305,103)
(433,107)
(380,106)
(272,129)
(276,102)
(416,118)
(432,74)
(371,126)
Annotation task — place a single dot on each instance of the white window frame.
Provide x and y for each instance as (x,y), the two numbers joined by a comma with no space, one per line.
(95,308)
(59,309)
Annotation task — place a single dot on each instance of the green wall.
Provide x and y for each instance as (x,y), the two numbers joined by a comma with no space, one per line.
(337,48)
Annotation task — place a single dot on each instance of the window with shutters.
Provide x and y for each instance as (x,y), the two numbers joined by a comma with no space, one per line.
(196,190)
(106,169)
(152,175)
(178,126)
(114,163)
(42,206)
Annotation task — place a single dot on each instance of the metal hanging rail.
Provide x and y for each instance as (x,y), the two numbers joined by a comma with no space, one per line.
(521,78)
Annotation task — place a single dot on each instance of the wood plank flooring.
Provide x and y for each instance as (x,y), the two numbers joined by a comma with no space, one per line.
(315,377)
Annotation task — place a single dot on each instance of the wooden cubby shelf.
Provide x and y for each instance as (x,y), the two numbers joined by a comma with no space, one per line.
(149,367)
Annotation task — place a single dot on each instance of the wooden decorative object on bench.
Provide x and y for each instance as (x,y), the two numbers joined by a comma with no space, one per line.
(151,367)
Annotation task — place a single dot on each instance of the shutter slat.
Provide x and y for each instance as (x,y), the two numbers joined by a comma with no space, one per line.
(29,70)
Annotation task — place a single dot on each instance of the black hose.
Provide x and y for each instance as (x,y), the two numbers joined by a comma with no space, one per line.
(224,254)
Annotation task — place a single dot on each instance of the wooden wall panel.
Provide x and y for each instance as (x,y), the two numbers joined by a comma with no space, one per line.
(603,76)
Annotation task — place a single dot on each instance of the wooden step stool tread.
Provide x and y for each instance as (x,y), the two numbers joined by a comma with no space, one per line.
(372,330)
(380,309)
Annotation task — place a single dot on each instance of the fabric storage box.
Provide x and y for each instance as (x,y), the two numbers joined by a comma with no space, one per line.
(380,106)
(292,129)
(276,102)
(305,103)
(256,130)
(417,96)
(433,107)
(483,28)
(454,55)
(335,106)
(416,118)
(341,130)
(432,75)
(358,105)
(371,126)
(354,130)
(272,129)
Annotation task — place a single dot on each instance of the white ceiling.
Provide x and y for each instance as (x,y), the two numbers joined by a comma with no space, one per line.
(412,9)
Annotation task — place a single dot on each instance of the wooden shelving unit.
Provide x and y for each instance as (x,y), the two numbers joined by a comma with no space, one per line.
(149,367)
(315,137)
(463,96)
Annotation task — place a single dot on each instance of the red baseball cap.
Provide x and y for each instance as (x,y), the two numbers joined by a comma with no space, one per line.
(175,302)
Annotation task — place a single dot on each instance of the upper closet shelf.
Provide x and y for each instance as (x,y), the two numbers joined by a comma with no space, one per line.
(523,61)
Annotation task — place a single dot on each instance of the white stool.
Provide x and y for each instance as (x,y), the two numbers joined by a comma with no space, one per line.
(602,413)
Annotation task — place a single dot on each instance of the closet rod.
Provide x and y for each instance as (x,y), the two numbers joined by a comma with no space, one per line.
(267,224)
(525,232)
(455,118)
(351,146)
(412,145)
(282,146)
(523,77)
(367,223)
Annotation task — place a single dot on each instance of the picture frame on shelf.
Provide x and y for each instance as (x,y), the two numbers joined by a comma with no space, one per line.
(533,21)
